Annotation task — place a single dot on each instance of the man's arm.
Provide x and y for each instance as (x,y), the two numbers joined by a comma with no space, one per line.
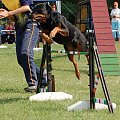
(117,16)
(112,15)
(4,13)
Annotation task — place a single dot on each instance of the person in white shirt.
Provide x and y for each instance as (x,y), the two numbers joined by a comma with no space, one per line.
(115,21)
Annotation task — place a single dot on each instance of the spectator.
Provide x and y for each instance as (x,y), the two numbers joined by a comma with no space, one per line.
(9,25)
(115,20)
(9,35)
(1,28)
(53,6)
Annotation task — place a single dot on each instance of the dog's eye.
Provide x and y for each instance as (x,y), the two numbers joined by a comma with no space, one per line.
(45,14)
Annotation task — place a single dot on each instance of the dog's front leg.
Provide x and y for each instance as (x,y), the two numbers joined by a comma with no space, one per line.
(54,32)
(63,32)
(46,38)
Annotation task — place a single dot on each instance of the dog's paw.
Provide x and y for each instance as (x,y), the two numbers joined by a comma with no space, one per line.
(47,38)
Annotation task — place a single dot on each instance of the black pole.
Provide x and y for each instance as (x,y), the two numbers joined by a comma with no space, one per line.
(41,69)
(91,72)
(48,63)
(50,77)
(0,38)
(103,83)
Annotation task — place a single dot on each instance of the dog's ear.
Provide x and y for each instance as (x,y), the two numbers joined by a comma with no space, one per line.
(48,8)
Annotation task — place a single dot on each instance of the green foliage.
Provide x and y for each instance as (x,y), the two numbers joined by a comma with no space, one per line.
(69,10)
(3,22)
(71,1)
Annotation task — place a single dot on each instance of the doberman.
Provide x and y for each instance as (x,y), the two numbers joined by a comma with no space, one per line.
(56,27)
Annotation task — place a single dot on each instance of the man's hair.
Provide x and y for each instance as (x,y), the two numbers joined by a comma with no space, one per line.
(116,1)
(53,3)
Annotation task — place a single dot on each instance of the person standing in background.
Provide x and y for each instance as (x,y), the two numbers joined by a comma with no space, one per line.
(54,7)
(115,21)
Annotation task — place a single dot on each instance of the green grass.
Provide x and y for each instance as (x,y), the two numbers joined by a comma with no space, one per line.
(15,104)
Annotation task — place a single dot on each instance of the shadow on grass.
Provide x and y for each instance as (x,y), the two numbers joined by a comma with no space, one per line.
(11,100)
(10,90)
(50,106)
(38,61)
(68,70)
(59,56)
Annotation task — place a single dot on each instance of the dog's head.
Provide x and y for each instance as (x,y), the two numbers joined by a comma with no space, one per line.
(41,12)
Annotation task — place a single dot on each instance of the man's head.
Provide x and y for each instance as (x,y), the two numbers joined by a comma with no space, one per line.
(53,6)
(115,5)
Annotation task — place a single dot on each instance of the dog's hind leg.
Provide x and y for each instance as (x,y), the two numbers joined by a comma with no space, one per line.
(71,58)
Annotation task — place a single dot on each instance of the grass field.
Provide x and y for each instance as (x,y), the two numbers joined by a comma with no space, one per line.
(15,104)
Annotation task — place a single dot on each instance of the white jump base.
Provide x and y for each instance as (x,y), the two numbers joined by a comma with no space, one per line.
(82,105)
(45,96)
(2,46)
(37,49)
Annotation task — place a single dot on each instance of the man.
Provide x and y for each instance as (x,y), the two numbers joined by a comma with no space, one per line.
(27,33)
(115,15)
(53,6)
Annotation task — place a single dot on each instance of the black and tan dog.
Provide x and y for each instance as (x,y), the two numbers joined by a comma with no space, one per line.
(55,26)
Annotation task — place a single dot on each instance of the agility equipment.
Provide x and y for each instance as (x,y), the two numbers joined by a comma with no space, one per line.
(95,103)
(99,34)
(46,79)
(3,46)
(92,20)
(46,84)
(69,52)
(104,37)
(93,54)
(97,59)
(45,96)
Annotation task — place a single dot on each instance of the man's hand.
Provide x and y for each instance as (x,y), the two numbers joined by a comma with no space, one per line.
(117,16)
(3,13)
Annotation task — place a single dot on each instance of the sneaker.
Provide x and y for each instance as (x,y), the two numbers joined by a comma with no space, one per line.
(31,89)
